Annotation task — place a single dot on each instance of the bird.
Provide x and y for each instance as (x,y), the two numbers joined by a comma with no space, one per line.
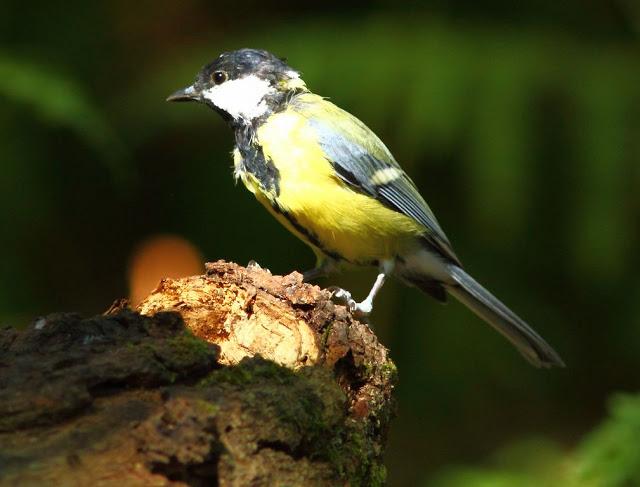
(333,183)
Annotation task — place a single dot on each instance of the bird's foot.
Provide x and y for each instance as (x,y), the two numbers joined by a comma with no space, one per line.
(361,309)
(254,265)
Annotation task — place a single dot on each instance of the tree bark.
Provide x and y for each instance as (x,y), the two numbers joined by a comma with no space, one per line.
(232,378)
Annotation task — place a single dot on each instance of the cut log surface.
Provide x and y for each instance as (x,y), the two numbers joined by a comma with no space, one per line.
(232,378)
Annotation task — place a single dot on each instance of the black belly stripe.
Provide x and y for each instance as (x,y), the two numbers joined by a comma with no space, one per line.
(312,237)
(255,162)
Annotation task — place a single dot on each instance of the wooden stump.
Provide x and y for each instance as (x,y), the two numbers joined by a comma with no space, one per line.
(232,378)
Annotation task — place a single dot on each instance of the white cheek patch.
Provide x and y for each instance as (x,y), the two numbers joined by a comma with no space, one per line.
(241,98)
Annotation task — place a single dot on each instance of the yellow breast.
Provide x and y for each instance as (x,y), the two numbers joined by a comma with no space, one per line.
(342,221)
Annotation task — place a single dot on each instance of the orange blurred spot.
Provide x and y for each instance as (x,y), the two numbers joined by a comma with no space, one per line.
(159,257)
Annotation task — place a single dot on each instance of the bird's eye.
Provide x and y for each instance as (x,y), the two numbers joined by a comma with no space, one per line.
(219,77)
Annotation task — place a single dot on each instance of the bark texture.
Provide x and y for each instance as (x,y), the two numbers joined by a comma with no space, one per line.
(232,378)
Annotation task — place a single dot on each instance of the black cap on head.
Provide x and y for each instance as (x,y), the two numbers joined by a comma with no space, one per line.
(243,62)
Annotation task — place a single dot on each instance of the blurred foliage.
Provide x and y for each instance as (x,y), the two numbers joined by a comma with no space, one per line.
(527,463)
(520,122)
(607,457)
(59,101)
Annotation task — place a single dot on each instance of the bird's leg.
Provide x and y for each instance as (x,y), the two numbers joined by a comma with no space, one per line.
(365,307)
(322,269)
(313,274)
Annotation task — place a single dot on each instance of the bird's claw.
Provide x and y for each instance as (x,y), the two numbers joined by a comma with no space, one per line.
(361,309)
(344,296)
(254,265)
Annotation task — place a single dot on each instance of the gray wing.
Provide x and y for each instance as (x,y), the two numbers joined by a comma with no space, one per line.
(362,161)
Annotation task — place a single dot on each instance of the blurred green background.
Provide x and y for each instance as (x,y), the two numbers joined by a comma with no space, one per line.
(519,122)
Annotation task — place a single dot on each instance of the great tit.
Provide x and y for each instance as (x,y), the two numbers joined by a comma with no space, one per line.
(332,182)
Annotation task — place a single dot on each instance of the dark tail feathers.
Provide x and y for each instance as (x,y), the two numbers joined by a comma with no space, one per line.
(489,308)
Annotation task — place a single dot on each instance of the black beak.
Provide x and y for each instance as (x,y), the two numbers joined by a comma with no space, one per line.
(190,93)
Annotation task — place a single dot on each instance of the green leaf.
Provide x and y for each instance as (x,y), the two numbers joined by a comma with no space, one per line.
(610,456)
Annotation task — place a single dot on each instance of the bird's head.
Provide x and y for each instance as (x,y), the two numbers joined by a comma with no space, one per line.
(243,85)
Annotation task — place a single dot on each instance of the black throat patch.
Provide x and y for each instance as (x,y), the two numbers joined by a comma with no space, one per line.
(254,160)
